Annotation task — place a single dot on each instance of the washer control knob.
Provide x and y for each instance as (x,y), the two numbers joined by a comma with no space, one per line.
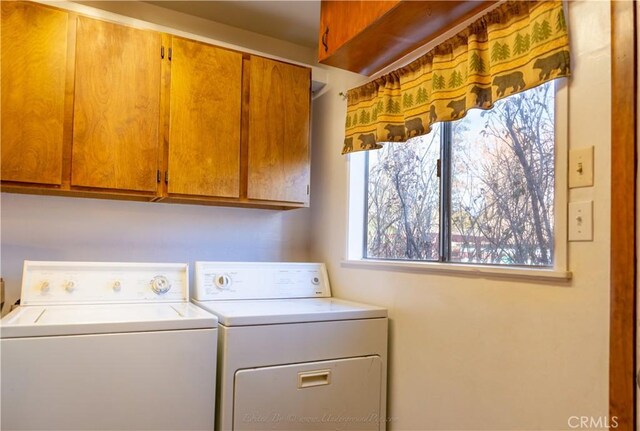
(222,281)
(44,287)
(70,286)
(117,286)
(315,281)
(160,284)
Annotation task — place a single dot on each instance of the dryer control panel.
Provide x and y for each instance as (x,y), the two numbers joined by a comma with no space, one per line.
(103,282)
(260,280)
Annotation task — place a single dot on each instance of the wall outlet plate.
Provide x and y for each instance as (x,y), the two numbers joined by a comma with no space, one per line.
(581,167)
(581,221)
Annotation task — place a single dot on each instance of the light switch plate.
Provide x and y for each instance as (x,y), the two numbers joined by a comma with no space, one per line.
(581,167)
(581,221)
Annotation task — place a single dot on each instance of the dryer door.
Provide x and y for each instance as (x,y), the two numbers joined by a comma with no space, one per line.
(340,394)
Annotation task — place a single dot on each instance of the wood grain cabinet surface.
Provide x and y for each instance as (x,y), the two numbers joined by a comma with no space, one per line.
(98,109)
(34,69)
(341,21)
(364,36)
(117,107)
(204,131)
(278,166)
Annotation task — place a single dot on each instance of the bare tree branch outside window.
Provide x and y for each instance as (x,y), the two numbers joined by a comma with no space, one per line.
(403,196)
(502,188)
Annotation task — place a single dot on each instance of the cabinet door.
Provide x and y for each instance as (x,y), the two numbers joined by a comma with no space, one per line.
(34,67)
(278,159)
(117,107)
(341,21)
(365,36)
(204,133)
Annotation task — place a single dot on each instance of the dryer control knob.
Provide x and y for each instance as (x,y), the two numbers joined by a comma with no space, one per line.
(160,284)
(222,281)
(117,286)
(44,287)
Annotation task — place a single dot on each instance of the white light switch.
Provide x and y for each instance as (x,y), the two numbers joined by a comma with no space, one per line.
(581,221)
(581,167)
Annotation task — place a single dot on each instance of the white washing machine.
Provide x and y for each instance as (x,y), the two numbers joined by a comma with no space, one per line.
(291,357)
(107,346)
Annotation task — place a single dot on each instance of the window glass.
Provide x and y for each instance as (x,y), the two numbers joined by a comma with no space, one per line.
(502,182)
(403,200)
(499,205)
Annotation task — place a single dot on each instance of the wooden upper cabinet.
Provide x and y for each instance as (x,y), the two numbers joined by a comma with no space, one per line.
(94,108)
(34,69)
(340,21)
(278,149)
(117,107)
(365,36)
(204,136)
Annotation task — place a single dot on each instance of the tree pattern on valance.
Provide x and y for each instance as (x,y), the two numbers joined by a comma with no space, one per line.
(517,46)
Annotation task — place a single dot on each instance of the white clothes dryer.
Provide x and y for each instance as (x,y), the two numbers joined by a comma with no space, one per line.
(107,346)
(291,357)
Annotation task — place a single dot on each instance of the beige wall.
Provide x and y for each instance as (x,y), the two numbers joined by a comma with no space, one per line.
(61,228)
(472,353)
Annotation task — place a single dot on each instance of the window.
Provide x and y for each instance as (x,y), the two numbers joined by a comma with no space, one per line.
(479,190)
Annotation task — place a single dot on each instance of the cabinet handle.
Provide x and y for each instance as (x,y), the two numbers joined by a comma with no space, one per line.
(324,39)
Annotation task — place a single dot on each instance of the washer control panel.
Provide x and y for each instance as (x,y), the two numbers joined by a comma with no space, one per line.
(103,282)
(256,280)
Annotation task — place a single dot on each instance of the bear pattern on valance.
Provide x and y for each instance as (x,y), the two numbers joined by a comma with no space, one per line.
(517,46)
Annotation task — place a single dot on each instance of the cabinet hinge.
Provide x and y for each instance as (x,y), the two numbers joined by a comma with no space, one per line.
(170,53)
(438,168)
(158,176)
(308,189)
(166,177)
(162,52)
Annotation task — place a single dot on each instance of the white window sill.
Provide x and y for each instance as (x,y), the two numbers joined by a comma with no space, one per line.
(482,271)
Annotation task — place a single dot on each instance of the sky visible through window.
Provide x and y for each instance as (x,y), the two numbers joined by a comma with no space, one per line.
(502,187)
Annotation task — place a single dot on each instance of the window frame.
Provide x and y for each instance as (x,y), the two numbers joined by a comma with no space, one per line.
(357,177)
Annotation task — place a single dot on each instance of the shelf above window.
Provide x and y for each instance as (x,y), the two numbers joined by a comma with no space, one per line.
(366,36)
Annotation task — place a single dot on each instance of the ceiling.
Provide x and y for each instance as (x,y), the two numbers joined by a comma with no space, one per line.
(293,21)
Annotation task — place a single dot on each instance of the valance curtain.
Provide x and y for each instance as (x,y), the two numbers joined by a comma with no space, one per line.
(517,46)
